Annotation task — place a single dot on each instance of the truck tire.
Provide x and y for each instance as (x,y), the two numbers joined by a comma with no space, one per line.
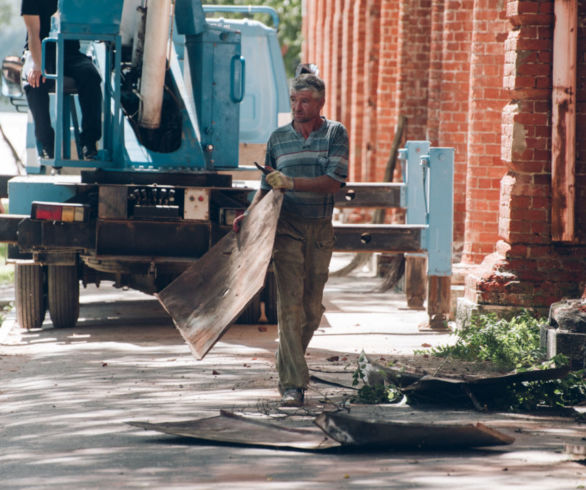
(63,295)
(269,296)
(29,290)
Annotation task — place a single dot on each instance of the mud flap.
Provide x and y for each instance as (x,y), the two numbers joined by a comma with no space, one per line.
(205,299)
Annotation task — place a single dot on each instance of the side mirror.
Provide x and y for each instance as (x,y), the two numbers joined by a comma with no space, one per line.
(11,75)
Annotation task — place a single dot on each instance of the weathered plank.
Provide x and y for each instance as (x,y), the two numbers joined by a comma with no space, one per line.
(415,279)
(368,195)
(211,293)
(378,238)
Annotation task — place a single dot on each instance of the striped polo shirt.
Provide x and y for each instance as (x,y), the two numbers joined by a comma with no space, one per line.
(324,152)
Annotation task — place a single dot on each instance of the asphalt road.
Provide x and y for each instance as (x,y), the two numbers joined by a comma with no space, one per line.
(67,397)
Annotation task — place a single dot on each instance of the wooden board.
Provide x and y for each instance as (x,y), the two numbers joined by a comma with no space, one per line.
(205,299)
(355,431)
(235,429)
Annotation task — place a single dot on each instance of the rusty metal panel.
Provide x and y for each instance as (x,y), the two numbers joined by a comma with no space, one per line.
(156,238)
(336,430)
(9,227)
(231,428)
(369,195)
(355,431)
(37,234)
(208,296)
(378,238)
(113,202)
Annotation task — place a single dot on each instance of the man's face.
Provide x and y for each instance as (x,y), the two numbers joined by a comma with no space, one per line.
(305,105)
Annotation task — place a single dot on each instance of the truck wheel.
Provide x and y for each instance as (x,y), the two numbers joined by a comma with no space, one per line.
(63,294)
(29,289)
(251,313)
(269,296)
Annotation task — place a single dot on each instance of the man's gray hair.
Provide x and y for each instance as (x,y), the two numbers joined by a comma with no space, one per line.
(308,81)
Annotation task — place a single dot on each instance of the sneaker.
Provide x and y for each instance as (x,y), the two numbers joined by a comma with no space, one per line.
(89,152)
(293,397)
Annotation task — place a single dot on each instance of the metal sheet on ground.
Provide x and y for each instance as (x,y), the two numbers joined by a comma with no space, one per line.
(354,431)
(205,299)
(235,429)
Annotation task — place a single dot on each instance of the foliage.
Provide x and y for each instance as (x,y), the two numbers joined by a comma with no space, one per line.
(515,344)
(6,270)
(508,344)
(289,30)
(372,394)
(564,392)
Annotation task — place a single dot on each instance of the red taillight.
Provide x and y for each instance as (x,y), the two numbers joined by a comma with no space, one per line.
(50,211)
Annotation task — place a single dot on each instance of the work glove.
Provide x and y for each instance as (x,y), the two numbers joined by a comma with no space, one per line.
(278,180)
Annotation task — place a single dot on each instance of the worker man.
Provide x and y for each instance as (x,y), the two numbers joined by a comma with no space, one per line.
(37,18)
(309,159)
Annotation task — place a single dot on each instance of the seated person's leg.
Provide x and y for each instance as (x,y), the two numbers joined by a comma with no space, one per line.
(88,80)
(38,102)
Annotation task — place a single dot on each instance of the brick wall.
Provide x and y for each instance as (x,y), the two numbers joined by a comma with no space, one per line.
(450,79)
(528,268)
(474,75)
(487,98)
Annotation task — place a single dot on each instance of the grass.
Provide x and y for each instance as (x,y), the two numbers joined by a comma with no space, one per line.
(6,270)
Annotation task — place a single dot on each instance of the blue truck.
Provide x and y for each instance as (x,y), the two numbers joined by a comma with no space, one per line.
(162,191)
(189,103)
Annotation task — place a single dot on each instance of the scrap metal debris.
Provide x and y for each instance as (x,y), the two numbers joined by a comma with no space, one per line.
(480,393)
(354,431)
(229,427)
(337,430)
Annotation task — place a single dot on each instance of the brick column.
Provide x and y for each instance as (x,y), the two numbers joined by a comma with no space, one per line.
(359,96)
(386,107)
(320,37)
(487,99)
(528,269)
(435,71)
(453,100)
(326,68)
(413,70)
(370,70)
(346,95)
(335,85)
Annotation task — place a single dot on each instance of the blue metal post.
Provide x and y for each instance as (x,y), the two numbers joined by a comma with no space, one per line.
(441,212)
(416,199)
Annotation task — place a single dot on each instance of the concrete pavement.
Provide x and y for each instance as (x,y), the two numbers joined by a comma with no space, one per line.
(67,396)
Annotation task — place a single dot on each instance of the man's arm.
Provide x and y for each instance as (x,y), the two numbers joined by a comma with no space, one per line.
(33,28)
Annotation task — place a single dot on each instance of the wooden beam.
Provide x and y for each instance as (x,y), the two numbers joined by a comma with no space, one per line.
(368,195)
(378,238)
(563,171)
(415,279)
